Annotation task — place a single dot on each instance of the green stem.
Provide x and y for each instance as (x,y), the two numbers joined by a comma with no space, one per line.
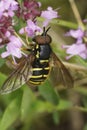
(79,108)
(61,23)
(20,39)
(64,23)
(76,14)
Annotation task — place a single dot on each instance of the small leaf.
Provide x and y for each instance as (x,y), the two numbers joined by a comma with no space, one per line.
(43,106)
(27,100)
(11,114)
(49,93)
(56,117)
(2,49)
(64,104)
(79,60)
(2,61)
(85,127)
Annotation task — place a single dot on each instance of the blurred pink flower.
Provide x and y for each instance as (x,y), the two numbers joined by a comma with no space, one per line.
(1,8)
(7,7)
(49,14)
(29,10)
(6,29)
(13,48)
(76,49)
(85,20)
(30,29)
(79,33)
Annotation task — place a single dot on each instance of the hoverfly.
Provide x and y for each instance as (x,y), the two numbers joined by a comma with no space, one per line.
(35,68)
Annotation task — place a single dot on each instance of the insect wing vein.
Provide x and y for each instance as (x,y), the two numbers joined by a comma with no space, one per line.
(19,76)
(62,72)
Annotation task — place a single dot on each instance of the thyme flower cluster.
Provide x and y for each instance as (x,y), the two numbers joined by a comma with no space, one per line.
(27,12)
(79,47)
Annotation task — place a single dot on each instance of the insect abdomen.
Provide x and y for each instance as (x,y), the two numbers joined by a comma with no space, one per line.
(40,73)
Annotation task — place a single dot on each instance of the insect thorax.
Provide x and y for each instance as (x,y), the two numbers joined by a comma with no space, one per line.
(42,51)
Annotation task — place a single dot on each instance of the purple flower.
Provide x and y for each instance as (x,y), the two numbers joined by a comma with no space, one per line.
(30,29)
(12,4)
(13,48)
(29,10)
(49,14)
(79,33)
(76,49)
(85,20)
(1,8)
(8,7)
(5,28)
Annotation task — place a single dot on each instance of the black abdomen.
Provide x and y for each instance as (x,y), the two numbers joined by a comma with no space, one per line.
(39,72)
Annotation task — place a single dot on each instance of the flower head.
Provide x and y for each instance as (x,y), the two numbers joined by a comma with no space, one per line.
(78,48)
(5,28)
(13,48)
(49,14)
(8,7)
(79,33)
(30,29)
(29,10)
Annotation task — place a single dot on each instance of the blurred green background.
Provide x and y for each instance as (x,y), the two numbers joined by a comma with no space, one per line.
(50,108)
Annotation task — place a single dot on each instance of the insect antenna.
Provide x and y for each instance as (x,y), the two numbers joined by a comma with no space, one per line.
(45,31)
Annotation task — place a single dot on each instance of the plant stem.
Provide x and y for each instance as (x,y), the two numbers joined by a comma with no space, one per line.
(76,14)
(20,39)
(60,23)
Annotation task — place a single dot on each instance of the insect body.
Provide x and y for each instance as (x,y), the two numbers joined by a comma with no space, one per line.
(42,52)
(35,68)
(40,66)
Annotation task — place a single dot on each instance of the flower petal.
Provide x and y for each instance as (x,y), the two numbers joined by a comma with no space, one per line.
(30,29)
(48,15)
(76,49)
(79,33)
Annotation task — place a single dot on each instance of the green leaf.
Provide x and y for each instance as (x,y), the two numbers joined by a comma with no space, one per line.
(43,106)
(79,60)
(85,127)
(56,117)
(20,1)
(11,114)
(2,49)
(64,104)
(2,61)
(49,93)
(27,100)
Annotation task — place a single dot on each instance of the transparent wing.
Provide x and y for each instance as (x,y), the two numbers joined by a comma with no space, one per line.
(19,76)
(59,73)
